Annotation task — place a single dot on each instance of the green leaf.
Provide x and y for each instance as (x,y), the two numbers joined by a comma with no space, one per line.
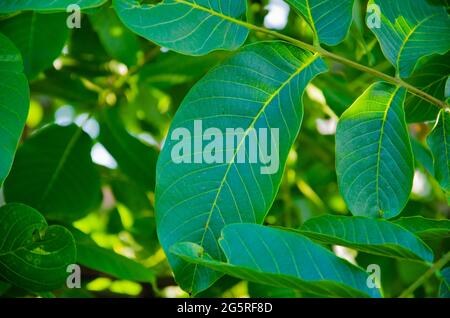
(430,77)
(379,237)
(426,229)
(91,255)
(439,143)
(120,43)
(329,20)
(14,103)
(281,258)
(444,289)
(40,38)
(53,173)
(374,161)
(9,6)
(423,155)
(135,159)
(259,87)
(187,26)
(33,256)
(410,30)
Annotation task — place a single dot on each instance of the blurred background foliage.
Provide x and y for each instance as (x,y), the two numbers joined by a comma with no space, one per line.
(124,91)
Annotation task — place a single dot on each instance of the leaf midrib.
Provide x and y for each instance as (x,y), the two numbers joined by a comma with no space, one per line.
(230,164)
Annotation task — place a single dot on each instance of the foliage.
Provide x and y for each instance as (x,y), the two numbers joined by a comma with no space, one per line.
(356,114)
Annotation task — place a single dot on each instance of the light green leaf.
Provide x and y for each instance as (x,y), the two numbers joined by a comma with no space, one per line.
(135,159)
(193,27)
(439,143)
(410,30)
(91,255)
(259,87)
(53,173)
(430,77)
(374,161)
(40,38)
(9,6)
(33,256)
(425,228)
(14,103)
(281,258)
(120,43)
(329,20)
(379,237)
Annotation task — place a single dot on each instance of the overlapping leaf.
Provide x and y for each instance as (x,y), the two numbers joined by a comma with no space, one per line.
(33,256)
(374,160)
(9,6)
(191,27)
(439,142)
(330,20)
(53,172)
(410,30)
(425,228)
(368,235)
(40,38)
(281,258)
(14,102)
(260,87)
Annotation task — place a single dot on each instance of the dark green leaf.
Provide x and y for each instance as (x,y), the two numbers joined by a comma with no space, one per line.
(53,172)
(374,160)
(33,256)
(425,228)
(8,6)
(444,289)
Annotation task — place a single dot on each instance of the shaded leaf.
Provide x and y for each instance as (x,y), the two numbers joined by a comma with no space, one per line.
(53,172)
(374,160)
(423,155)
(260,87)
(368,235)
(193,27)
(281,258)
(425,228)
(444,289)
(410,30)
(33,256)
(9,6)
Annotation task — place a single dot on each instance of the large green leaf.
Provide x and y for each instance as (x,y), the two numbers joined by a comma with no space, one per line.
(259,87)
(281,258)
(33,256)
(91,255)
(379,237)
(330,20)
(430,77)
(410,30)
(439,142)
(53,172)
(39,37)
(118,41)
(191,27)
(374,160)
(14,102)
(425,228)
(134,158)
(8,6)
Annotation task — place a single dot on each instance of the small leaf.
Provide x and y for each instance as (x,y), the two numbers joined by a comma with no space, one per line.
(330,20)
(135,159)
(193,27)
(374,160)
(427,229)
(120,43)
(14,103)
(9,6)
(439,143)
(91,255)
(281,258)
(410,30)
(53,172)
(39,37)
(260,87)
(368,235)
(33,256)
